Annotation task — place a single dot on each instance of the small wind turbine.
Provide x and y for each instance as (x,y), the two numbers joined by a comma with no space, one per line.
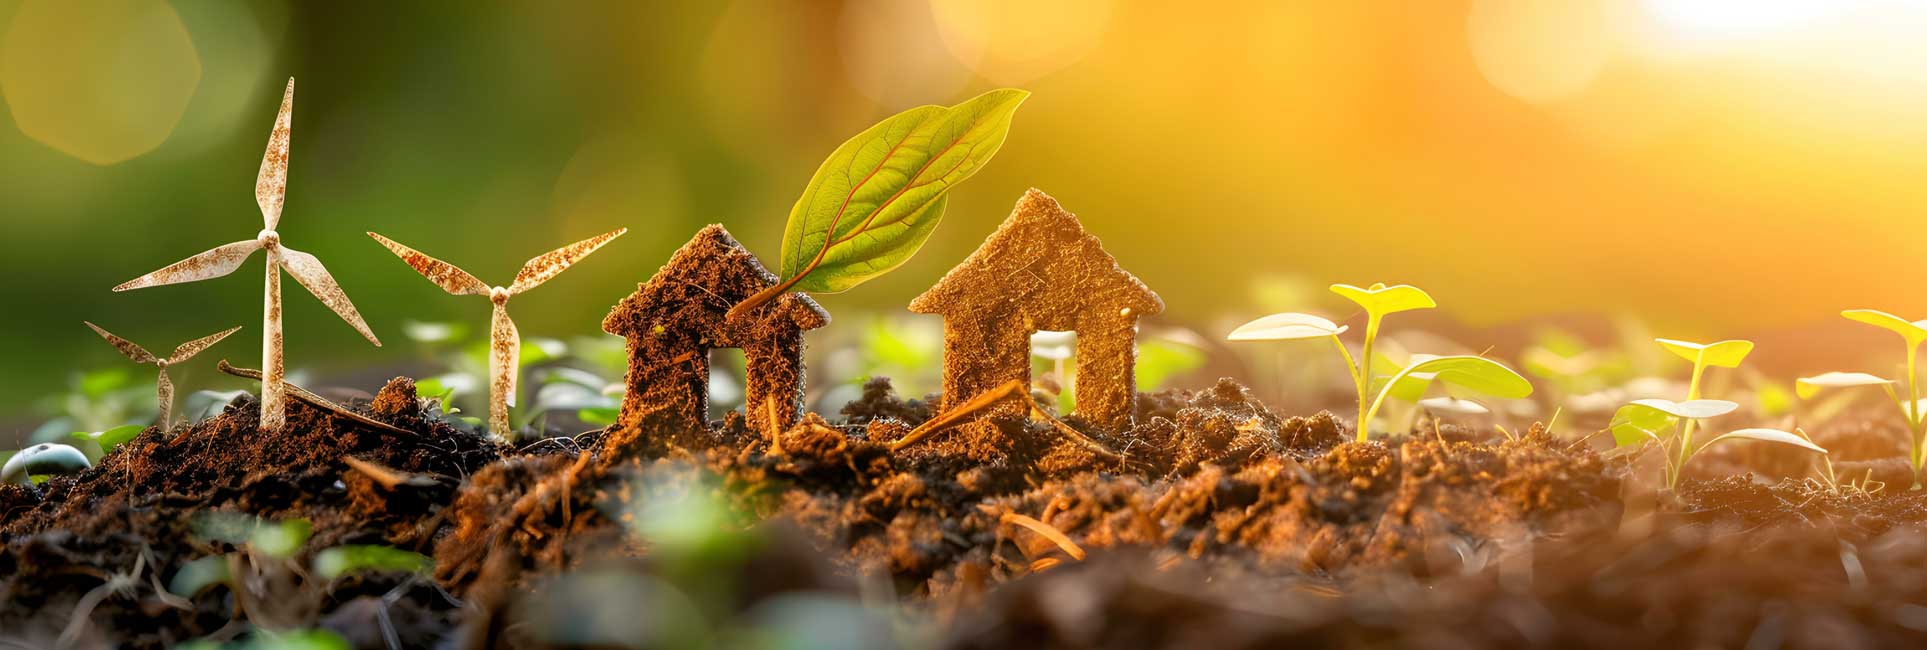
(165,386)
(270,192)
(506,342)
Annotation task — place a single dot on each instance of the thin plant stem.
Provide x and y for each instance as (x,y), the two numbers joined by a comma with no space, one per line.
(1358,382)
(1365,376)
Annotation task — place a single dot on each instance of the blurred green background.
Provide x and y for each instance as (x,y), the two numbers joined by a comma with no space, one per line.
(1517,159)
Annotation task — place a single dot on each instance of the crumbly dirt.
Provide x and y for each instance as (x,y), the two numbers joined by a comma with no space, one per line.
(1225,523)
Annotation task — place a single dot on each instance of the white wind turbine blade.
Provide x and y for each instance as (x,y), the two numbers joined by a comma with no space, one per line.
(135,352)
(308,270)
(214,263)
(189,349)
(547,265)
(165,388)
(504,361)
(447,276)
(271,186)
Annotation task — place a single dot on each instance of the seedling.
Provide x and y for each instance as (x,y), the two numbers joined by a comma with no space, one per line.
(42,459)
(270,193)
(1656,419)
(878,197)
(505,341)
(1912,408)
(1474,373)
(164,386)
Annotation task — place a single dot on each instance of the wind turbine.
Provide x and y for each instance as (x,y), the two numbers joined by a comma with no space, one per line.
(270,192)
(165,386)
(506,342)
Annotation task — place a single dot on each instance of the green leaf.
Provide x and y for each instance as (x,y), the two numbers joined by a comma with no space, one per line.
(1914,332)
(1286,327)
(105,441)
(1379,300)
(1807,387)
(1725,354)
(1692,409)
(597,417)
(1476,374)
(282,538)
(199,574)
(1636,423)
(878,197)
(1768,435)
(341,560)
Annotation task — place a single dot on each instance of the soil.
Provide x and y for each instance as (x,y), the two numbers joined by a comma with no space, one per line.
(1224,524)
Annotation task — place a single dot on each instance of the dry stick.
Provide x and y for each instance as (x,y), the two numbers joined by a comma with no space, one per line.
(986,399)
(775,429)
(317,401)
(1048,531)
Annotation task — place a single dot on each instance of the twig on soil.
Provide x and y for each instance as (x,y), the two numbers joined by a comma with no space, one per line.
(317,401)
(775,430)
(1048,531)
(1013,388)
(388,478)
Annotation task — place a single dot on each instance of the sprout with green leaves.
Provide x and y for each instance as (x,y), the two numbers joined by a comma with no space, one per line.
(1474,373)
(1656,419)
(1912,408)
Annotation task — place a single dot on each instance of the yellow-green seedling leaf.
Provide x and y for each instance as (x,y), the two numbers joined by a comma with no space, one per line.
(1725,354)
(879,196)
(280,539)
(338,561)
(1158,360)
(1473,373)
(198,575)
(1692,409)
(1410,386)
(42,460)
(1768,435)
(1286,327)
(1773,397)
(1807,387)
(598,417)
(1454,406)
(1544,362)
(99,443)
(1379,300)
(1634,424)
(1914,332)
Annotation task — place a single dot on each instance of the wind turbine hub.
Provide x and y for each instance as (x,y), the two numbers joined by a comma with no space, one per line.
(498,295)
(269,239)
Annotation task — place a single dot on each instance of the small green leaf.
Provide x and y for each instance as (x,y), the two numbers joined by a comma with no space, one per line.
(878,197)
(1725,354)
(199,574)
(1286,327)
(1768,435)
(597,417)
(1379,300)
(1807,387)
(341,560)
(280,539)
(1636,423)
(1476,374)
(107,440)
(1158,360)
(1914,332)
(1692,409)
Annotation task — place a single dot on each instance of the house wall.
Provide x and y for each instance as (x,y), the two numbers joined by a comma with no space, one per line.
(979,356)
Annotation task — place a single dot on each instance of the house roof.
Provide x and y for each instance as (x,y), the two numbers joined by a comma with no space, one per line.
(699,284)
(1042,264)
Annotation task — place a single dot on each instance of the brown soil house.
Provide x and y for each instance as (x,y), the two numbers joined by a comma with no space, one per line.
(1041,271)
(675,319)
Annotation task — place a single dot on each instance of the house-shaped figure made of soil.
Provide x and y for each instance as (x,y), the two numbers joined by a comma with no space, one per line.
(678,316)
(1041,271)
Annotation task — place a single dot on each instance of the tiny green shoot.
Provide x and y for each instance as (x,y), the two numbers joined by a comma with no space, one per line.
(1657,419)
(1910,403)
(1474,373)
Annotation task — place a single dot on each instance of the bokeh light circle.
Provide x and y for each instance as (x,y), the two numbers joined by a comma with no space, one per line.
(1013,42)
(1539,51)
(100,80)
